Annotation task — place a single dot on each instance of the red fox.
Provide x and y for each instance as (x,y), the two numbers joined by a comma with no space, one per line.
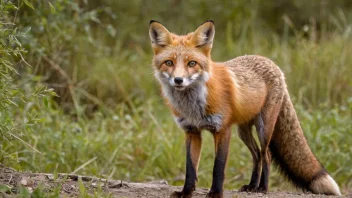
(248,91)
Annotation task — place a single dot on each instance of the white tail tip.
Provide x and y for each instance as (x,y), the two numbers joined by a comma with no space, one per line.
(325,185)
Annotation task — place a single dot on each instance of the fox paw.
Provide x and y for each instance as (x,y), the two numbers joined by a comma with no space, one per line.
(248,188)
(215,195)
(261,190)
(181,194)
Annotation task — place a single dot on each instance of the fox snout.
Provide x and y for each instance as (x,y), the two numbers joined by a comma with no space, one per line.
(178,80)
(181,83)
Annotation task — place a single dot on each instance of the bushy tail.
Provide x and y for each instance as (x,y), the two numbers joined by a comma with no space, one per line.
(291,153)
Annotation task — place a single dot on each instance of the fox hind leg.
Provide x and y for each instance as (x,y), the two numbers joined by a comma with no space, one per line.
(245,133)
(265,124)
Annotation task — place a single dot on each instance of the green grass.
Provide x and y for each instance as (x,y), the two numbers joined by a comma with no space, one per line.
(110,112)
(147,145)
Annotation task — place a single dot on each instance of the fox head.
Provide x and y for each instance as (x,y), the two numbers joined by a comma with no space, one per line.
(182,61)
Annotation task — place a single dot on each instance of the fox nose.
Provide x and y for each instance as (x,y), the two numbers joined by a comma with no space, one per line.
(178,80)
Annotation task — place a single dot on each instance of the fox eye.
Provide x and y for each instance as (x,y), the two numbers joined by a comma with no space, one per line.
(169,63)
(192,63)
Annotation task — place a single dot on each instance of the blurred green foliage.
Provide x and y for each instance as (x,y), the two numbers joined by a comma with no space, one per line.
(96,55)
(18,102)
(81,46)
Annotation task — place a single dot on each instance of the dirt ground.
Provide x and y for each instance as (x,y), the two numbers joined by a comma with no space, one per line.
(68,184)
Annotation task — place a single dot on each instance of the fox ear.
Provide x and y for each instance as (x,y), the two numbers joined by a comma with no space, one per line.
(204,35)
(159,35)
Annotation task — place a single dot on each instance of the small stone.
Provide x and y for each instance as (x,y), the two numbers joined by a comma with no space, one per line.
(30,189)
(96,185)
(50,177)
(26,181)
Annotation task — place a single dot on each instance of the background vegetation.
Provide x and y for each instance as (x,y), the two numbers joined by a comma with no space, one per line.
(109,120)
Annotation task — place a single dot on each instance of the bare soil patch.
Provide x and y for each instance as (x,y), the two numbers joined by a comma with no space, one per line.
(68,184)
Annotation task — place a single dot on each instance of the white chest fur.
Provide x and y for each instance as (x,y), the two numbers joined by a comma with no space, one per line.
(189,103)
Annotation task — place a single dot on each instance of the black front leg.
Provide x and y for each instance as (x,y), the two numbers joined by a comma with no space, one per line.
(193,148)
(222,143)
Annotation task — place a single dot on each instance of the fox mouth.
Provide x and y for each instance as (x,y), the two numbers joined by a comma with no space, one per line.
(179,87)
